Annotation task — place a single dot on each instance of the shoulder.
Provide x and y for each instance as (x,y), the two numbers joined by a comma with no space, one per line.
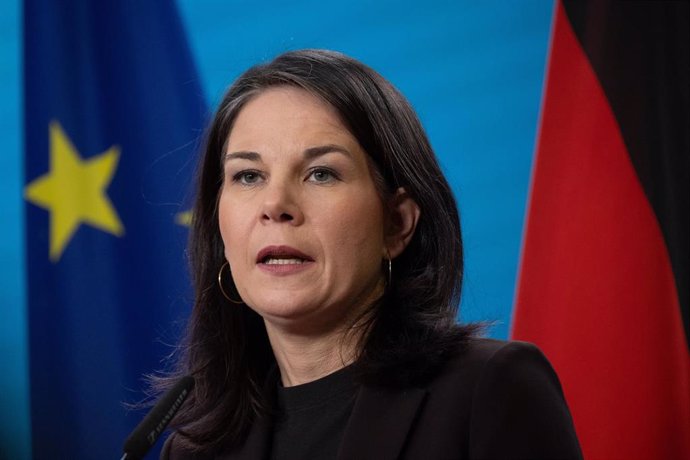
(478,359)
(510,373)
(515,397)
(482,370)
(516,364)
(481,350)
(494,379)
(494,399)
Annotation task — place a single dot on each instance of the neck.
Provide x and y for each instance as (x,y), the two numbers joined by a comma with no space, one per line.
(320,344)
(302,359)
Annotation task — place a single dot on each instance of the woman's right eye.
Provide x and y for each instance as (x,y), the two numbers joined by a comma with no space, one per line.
(246,177)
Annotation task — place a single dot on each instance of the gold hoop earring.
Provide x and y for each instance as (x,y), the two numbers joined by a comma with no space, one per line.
(220,284)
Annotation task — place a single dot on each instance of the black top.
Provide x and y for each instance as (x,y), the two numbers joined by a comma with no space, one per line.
(491,400)
(312,417)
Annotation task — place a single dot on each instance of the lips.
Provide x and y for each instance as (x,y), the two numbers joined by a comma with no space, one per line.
(282,255)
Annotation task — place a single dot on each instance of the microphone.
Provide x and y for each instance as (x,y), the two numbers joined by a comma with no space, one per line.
(150,428)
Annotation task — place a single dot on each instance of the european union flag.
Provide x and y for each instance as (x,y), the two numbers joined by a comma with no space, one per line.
(114,114)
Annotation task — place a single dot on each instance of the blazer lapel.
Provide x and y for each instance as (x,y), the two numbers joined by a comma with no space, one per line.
(380,422)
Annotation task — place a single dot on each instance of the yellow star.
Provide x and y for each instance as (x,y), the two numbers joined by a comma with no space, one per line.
(74,191)
(184,218)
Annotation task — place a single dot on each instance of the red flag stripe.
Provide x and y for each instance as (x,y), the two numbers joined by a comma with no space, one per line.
(596,289)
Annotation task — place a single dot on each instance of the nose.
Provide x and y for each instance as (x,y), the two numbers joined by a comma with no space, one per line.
(281,204)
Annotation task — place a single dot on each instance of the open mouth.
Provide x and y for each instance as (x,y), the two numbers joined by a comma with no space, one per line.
(282,255)
(280,261)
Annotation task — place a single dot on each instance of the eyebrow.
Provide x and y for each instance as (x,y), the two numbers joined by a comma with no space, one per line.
(309,154)
(314,152)
(251,156)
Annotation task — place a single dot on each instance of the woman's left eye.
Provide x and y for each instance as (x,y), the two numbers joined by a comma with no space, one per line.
(322,175)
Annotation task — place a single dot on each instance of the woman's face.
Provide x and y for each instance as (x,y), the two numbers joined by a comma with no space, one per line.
(300,217)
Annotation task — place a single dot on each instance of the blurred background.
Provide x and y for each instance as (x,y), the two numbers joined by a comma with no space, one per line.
(474,71)
(103,107)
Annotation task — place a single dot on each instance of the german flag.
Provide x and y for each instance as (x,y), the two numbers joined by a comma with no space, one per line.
(603,285)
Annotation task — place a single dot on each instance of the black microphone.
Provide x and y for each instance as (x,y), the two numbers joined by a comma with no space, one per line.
(150,428)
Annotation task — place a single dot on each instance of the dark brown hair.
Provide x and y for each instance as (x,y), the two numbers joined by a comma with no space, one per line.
(412,328)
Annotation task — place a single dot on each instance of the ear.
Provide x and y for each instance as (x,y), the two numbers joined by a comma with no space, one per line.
(402,222)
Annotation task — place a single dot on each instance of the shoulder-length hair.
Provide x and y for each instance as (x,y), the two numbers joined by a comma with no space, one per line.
(411,329)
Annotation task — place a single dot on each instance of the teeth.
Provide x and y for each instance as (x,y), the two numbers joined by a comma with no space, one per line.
(272,261)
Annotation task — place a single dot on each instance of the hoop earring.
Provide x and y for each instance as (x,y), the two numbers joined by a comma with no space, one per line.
(390,271)
(390,268)
(220,284)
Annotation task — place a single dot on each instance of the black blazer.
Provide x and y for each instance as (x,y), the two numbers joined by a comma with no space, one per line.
(494,400)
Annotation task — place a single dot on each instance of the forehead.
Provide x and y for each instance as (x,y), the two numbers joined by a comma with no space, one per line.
(279,114)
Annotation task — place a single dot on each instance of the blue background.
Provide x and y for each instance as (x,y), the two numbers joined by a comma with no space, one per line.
(474,72)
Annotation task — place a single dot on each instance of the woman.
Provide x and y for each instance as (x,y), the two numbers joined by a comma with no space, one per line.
(327,262)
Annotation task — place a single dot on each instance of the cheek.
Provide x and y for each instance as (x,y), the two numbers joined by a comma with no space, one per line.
(230,225)
(223,220)
(354,231)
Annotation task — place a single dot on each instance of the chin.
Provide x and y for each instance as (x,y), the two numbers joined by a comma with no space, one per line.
(282,307)
(303,317)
